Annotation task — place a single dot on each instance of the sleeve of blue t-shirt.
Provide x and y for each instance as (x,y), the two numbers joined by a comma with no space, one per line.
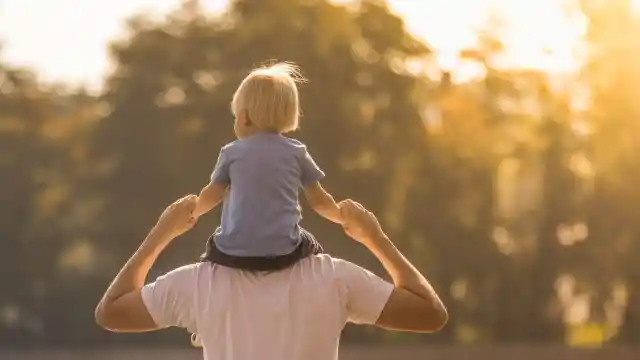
(220,173)
(310,172)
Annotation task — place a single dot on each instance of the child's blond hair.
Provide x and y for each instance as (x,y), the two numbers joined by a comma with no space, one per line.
(269,97)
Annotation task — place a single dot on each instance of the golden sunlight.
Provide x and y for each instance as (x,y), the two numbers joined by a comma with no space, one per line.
(538,34)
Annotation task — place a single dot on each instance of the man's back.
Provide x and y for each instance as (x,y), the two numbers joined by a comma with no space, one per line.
(295,314)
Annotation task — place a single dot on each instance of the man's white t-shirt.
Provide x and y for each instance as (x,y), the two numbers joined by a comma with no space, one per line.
(293,314)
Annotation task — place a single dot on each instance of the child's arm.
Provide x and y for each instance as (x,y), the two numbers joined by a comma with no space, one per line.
(322,202)
(210,196)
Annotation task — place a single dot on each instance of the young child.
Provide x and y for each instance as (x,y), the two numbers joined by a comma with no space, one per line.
(259,176)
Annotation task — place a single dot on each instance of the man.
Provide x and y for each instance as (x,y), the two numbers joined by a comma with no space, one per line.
(294,314)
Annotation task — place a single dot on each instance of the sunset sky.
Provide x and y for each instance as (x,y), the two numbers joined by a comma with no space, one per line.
(65,40)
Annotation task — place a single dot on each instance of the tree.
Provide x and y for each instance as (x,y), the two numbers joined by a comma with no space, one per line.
(611,75)
(45,197)
(20,118)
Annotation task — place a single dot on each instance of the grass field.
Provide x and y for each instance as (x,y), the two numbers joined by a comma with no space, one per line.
(347,353)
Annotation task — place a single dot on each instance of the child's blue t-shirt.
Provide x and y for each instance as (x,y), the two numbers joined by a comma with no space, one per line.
(260,212)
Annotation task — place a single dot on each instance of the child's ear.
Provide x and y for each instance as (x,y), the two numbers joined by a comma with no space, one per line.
(242,118)
(247,120)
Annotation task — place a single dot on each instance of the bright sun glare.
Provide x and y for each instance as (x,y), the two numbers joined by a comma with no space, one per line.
(537,33)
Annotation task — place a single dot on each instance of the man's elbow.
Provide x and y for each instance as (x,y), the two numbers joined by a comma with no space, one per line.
(407,312)
(436,319)
(430,319)
(102,317)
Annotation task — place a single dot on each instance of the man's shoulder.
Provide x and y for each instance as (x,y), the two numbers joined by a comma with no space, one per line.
(182,273)
(322,264)
(334,267)
(342,271)
(187,277)
(329,260)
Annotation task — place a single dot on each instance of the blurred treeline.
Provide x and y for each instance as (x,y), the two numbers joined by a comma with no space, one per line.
(516,192)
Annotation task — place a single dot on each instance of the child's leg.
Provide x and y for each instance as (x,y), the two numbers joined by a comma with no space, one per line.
(195,340)
(308,246)
(208,250)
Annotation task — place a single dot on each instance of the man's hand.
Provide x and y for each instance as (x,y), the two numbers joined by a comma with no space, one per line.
(359,223)
(178,217)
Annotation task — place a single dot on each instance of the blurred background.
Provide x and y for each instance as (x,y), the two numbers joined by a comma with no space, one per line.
(496,140)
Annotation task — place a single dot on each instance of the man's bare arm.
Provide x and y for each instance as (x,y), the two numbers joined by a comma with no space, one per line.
(413,304)
(121,308)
